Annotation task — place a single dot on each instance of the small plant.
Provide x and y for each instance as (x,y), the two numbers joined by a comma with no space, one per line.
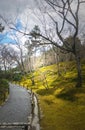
(17,77)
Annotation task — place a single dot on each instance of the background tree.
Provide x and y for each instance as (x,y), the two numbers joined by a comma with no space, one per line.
(36,29)
(30,48)
(1,28)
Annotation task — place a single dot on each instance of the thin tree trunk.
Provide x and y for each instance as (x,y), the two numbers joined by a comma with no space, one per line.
(56,54)
(58,66)
(79,74)
(30,69)
(5,69)
(32,80)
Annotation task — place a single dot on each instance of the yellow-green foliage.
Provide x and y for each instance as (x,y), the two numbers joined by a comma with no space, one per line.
(63,104)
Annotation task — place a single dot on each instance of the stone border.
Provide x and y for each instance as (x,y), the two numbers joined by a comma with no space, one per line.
(34,118)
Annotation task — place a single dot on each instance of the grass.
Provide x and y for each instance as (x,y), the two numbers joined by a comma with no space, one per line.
(63,116)
(62,104)
(63,110)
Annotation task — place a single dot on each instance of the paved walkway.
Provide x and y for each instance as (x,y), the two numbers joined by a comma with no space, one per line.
(18,106)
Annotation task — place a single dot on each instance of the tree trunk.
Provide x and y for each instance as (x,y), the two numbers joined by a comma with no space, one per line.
(5,68)
(56,55)
(32,80)
(58,66)
(79,74)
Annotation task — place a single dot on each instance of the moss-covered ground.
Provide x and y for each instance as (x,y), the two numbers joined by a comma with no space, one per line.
(62,104)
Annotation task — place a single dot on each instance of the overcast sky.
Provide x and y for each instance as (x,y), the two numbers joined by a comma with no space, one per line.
(19,11)
(10,9)
(13,6)
(22,12)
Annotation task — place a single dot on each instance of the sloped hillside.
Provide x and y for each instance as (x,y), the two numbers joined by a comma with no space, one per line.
(62,104)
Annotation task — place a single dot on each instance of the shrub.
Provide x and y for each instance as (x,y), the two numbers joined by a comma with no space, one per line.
(4,83)
(17,77)
(4,89)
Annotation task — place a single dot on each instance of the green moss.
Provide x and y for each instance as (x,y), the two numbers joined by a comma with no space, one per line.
(67,94)
(62,104)
(45,92)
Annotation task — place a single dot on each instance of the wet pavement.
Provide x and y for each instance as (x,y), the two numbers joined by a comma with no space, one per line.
(17,108)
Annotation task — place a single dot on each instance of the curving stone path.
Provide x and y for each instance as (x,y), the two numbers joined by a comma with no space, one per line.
(17,108)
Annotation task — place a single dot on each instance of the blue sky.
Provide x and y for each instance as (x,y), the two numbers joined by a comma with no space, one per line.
(6,36)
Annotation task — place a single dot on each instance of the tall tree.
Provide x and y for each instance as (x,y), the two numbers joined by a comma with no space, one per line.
(62,16)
